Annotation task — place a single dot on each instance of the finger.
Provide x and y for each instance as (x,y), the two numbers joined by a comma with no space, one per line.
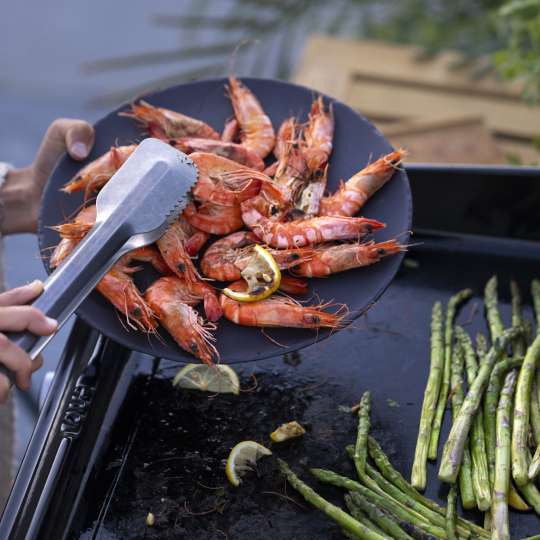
(17,361)
(37,363)
(79,140)
(4,388)
(19,318)
(75,136)
(21,295)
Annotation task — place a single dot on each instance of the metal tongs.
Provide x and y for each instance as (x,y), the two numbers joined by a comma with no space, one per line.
(133,210)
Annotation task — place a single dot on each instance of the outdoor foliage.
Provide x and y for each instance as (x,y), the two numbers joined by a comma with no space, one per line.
(275,32)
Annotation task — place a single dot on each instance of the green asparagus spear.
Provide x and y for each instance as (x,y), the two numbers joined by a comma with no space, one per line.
(491,399)
(393,476)
(360,450)
(520,343)
(361,516)
(491,301)
(345,521)
(385,502)
(499,511)
(377,516)
(477,443)
(431,395)
(534,467)
(456,390)
(535,293)
(520,431)
(453,305)
(451,514)
(481,347)
(455,445)
(535,412)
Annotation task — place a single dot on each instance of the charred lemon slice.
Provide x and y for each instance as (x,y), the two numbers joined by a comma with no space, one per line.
(262,276)
(217,379)
(242,459)
(287,431)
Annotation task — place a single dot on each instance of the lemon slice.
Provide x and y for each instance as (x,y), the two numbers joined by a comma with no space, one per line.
(287,431)
(242,459)
(217,379)
(262,276)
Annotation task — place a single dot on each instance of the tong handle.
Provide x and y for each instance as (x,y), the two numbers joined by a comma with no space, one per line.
(68,286)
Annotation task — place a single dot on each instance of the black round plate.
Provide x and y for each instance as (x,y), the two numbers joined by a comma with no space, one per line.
(356,142)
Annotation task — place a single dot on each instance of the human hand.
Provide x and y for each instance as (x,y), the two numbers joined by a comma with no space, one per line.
(15,316)
(22,189)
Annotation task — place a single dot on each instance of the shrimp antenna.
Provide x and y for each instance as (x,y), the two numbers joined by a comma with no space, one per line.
(234,54)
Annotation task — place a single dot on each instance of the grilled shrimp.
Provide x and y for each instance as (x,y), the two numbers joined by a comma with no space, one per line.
(166,124)
(256,131)
(292,170)
(79,226)
(293,285)
(318,136)
(225,182)
(227,257)
(214,218)
(167,297)
(354,193)
(230,130)
(308,231)
(117,285)
(327,260)
(235,152)
(286,134)
(172,247)
(277,311)
(118,288)
(97,173)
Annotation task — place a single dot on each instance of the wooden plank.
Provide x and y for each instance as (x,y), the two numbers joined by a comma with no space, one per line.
(501,115)
(328,64)
(465,140)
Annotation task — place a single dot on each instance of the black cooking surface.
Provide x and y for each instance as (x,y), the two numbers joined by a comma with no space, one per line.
(168,448)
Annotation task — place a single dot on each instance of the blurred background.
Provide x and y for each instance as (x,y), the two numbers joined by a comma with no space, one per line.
(452,81)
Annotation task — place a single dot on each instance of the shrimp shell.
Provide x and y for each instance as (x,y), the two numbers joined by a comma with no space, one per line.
(167,297)
(354,193)
(256,130)
(213,218)
(277,311)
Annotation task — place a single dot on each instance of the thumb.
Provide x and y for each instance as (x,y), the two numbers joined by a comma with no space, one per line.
(74,136)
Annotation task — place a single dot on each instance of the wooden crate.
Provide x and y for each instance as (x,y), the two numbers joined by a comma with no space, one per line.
(392,87)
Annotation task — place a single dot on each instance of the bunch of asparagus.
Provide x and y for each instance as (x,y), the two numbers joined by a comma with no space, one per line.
(381,503)
(489,442)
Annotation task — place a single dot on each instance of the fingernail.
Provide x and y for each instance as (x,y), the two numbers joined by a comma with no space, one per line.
(36,286)
(52,324)
(79,150)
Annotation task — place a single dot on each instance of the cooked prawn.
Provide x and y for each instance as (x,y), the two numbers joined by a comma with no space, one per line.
(327,260)
(79,226)
(167,297)
(225,182)
(117,285)
(308,231)
(293,285)
(287,134)
(172,247)
(318,135)
(97,173)
(227,257)
(277,311)
(292,170)
(214,218)
(230,130)
(235,152)
(256,131)
(354,193)
(166,124)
